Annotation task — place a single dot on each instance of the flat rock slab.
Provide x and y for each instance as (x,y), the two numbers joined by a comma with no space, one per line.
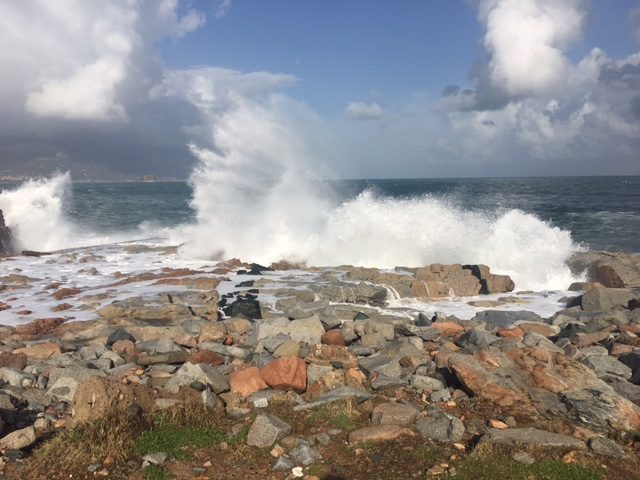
(378,433)
(530,437)
(267,430)
(394,414)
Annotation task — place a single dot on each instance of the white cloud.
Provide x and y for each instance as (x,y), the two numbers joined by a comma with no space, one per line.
(634,16)
(223,8)
(526,38)
(364,111)
(76,60)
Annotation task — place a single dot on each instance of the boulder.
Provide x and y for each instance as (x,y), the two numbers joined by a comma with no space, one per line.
(202,373)
(598,297)
(611,269)
(288,373)
(63,382)
(393,413)
(533,380)
(441,427)
(18,439)
(505,318)
(41,351)
(247,381)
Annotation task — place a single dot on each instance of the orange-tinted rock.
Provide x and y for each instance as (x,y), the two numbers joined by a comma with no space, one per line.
(288,373)
(61,307)
(515,333)
(206,356)
(247,381)
(447,328)
(125,348)
(13,360)
(43,326)
(41,350)
(333,337)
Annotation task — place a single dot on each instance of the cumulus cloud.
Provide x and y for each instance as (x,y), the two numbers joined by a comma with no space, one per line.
(364,111)
(526,38)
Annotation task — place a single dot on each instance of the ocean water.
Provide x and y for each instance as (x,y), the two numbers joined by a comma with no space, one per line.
(525,227)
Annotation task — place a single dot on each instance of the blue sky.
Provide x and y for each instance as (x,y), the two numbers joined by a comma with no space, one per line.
(430,88)
(363,50)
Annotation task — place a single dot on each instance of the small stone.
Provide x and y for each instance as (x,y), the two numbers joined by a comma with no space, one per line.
(378,433)
(523,457)
(157,458)
(498,424)
(283,464)
(277,451)
(394,414)
(305,455)
(266,430)
(297,472)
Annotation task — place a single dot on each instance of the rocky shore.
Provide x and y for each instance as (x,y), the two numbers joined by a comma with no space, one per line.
(321,372)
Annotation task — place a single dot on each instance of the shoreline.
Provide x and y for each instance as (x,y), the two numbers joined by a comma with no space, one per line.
(263,349)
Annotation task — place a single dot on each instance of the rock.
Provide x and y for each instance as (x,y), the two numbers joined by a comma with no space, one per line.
(283,464)
(381,364)
(6,240)
(476,337)
(125,348)
(157,458)
(447,328)
(604,365)
(533,380)
(426,384)
(440,427)
(378,433)
(530,437)
(164,345)
(206,356)
(613,270)
(13,360)
(305,455)
(289,373)
(98,396)
(289,348)
(247,381)
(267,430)
(524,458)
(205,374)
(119,335)
(18,439)
(543,329)
(337,394)
(307,330)
(596,297)
(244,307)
(394,414)
(63,382)
(212,332)
(16,378)
(333,337)
(176,356)
(505,318)
(605,447)
(43,326)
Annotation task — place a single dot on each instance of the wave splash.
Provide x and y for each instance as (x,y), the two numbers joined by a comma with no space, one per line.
(255,199)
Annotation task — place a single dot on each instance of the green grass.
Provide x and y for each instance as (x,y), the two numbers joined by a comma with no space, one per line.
(154,472)
(500,467)
(340,414)
(172,440)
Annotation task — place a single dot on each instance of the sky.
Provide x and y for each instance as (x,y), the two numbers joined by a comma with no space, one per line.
(368,89)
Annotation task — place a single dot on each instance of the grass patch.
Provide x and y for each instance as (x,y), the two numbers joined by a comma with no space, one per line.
(501,467)
(154,472)
(173,440)
(342,414)
(113,435)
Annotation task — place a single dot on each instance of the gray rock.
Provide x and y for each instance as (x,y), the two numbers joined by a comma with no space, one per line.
(502,318)
(523,457)
(157,458)
(393,413)
(381,381)
(18,439)
(477,338)
(443,395)
(375,340)
(308,330)
(305,455)
(530,437)
(177,356)
(229,351)
(289,348)
(164,345)
(426,384)
(92,352)
(388,366)
(271,343)
(606,447)
(441,427)
(283,464)
(316,372)
(63,382)
(16,378)
(596,298)
(205,374)
(334,395)
(115,359)
(267,430)
(533,339)
(604,365)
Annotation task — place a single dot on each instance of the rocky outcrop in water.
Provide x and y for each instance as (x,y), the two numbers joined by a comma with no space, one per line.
(5,238)
(611,269)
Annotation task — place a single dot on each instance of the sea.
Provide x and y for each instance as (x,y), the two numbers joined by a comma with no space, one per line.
(523,227)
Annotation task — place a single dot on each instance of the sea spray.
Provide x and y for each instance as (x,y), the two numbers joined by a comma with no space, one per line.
(255,199)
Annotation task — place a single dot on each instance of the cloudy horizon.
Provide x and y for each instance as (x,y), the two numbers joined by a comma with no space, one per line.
(449,89)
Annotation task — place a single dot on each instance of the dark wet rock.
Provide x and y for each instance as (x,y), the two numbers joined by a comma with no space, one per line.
(244,307)
(6,240)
